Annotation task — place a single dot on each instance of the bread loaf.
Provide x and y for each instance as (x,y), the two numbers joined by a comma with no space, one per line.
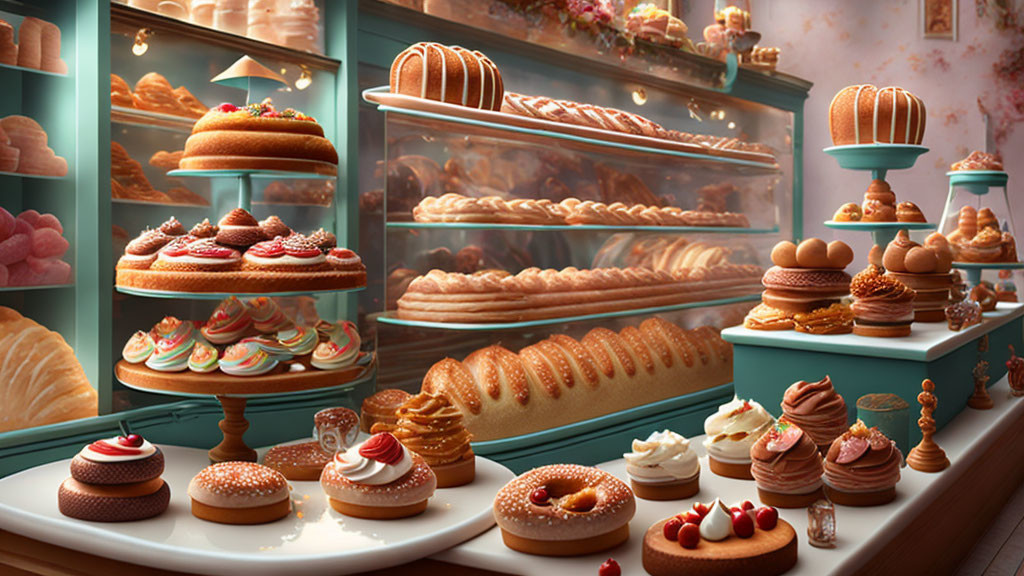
(449,74)
(562,380)
(863,114)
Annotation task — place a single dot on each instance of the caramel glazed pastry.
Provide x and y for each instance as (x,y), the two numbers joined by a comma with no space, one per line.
(430,426)
(803,289)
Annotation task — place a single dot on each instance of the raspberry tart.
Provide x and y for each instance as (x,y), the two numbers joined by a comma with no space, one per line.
(197,256)
(285,255)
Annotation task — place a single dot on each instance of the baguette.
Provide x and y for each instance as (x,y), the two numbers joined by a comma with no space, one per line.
(561,380)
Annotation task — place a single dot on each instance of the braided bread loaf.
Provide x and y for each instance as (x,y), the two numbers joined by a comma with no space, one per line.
(562,380)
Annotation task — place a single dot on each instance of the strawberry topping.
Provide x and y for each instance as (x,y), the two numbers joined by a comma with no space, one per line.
(269,249)
(210,249)
(383,448)
(298,246)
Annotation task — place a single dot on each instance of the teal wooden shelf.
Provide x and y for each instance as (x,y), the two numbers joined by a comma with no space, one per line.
(33,71)
(485,327)
(31,288)
(34,176)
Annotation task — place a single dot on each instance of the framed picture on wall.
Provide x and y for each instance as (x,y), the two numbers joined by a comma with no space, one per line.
(939,19)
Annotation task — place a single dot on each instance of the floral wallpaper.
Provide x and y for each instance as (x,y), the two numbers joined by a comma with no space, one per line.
(835,43)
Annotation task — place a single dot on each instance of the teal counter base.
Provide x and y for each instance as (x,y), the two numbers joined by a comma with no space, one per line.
(607,437)
(764,366)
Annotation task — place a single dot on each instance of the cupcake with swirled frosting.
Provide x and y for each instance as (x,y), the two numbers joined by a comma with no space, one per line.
(731,431)
(862,467)
(430,426)
(663,467)
(787,467)
(817,409)
(379,479)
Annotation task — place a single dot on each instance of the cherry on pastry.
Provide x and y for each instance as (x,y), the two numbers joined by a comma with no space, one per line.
(701,508)
(132,440)
(671,528)
(767,518)
(540,497)
(742,525)
(689,536)
(609,568)
(747,505)
(693,517)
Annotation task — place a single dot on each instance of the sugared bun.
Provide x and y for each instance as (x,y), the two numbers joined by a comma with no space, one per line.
(812,253)
(239,493)
(381,407)
(848,212)
(864,114)
(909,212)
(449,74)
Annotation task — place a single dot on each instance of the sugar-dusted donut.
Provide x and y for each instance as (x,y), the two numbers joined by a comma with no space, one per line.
(564,510)
(304,461)
(239,493)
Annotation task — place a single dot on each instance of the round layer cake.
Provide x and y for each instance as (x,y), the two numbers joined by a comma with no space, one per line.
(258,136)
(766,553)
(864,114)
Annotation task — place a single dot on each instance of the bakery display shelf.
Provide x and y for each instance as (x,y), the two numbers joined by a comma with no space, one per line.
(881,232)
(877,158)
(33,176)
(974,269)
(128,20)
(134,117)
(534,127)
(233,392)
(294,204)
(245,178)
(580,227)
(30,288)
(130,202)
(387,317)
(862,533)
(32,71)
(313,540)
(148,293)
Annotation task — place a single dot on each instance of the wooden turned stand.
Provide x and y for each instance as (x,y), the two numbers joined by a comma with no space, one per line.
(232,447)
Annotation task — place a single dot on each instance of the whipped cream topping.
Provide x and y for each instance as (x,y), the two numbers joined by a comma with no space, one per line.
(110,450)
(717,525)
(663,457)
(361,470)
(734,429)
(189,259)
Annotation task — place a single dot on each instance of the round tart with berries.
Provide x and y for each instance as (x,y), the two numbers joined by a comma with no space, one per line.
(713,540)
(285,255)
(259,137)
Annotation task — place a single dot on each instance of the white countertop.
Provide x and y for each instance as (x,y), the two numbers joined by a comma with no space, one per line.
(927,340)
(858,529)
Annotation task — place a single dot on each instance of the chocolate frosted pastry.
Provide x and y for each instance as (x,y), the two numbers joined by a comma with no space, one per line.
(323,240)
(817,409)
(883,306)
(273,227)
(204,229)
(172,227)
(862,467)
(786,464)
(239,229)
(141,252)
(430,426)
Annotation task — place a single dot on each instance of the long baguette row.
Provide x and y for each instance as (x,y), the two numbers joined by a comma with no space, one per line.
(534,294)
(569,112)
(562,380)
(453,207)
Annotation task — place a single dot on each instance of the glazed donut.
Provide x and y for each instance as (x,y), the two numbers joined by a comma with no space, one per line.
(303,461)
(406,496)
(239,493)
(564,510)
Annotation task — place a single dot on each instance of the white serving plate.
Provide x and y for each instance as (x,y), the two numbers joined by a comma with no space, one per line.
(313,540)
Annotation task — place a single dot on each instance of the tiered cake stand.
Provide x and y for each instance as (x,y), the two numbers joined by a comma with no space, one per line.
(232,392)
(978,183)
(879,159)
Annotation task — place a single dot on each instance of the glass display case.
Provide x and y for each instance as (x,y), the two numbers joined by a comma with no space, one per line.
(741,201)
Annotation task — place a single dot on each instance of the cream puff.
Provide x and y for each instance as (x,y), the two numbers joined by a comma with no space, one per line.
(239,229)
(379,479)
(239,493)
(731,431)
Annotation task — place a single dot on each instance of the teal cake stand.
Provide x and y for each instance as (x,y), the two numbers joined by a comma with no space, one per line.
(978,183)
(881,232)
(974,269)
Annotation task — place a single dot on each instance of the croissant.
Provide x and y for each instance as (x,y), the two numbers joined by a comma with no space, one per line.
(562,380)
(41,381)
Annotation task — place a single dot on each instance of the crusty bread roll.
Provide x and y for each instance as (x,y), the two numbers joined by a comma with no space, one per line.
(561,380)
(449,74)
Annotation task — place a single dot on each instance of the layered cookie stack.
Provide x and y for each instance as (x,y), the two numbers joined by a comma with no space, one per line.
(803,289)
(925,269)
(883,306)
(115,480)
